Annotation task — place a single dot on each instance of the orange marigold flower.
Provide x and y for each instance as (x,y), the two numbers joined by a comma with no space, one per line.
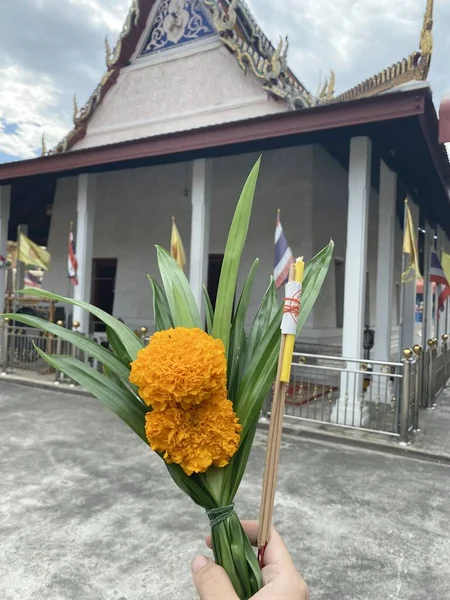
(179,366)
(204,435)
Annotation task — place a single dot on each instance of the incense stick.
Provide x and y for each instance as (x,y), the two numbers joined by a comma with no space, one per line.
(292,306)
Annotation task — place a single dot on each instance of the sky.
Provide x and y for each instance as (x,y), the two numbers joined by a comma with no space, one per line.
(52,49)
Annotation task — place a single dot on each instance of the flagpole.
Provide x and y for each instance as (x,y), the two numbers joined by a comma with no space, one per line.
(402,286)
(69,294)
(426,326)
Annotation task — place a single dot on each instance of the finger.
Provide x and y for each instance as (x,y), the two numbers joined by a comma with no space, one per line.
(211,581)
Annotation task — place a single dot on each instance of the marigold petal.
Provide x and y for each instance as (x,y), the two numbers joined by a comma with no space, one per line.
(203,435)
(179,366)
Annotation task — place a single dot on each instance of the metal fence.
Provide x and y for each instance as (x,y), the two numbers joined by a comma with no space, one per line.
(380,397)
(18,355)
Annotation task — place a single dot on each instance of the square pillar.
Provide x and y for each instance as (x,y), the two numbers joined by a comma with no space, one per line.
(5,205)
(410,331)
(86,195)
(385,263)
(201,207)
(350,409)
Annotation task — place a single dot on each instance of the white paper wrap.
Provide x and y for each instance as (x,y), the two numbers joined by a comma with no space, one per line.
(293,291)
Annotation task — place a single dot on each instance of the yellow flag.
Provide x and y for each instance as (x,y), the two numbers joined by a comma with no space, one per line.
(412,270)
(445,260)
(32,254)
(176,246)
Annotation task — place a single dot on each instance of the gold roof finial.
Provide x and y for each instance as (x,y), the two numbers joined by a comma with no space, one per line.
(426,41)
(43,145)
(108,51)
(75,109)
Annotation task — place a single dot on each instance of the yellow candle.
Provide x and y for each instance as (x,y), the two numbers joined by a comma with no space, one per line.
(290,339)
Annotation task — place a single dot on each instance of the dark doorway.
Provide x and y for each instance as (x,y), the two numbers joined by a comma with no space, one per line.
(103,287)
(214,267)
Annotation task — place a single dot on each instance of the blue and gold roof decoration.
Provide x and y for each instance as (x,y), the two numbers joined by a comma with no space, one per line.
(181,22)
(177,23)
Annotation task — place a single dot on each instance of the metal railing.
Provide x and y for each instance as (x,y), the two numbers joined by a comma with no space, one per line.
(379,397)
(18,355)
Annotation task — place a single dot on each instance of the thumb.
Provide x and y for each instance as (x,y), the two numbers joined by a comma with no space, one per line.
(211,581)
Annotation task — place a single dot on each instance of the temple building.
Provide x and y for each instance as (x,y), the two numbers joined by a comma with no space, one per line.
(192,94)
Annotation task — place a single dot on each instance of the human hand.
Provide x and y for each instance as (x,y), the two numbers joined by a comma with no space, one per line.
(281,578)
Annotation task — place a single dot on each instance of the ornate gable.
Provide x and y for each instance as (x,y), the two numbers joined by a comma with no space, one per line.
(181,23)
(177,23)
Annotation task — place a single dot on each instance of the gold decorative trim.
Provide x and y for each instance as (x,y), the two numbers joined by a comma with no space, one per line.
(267,63)
(44,149)
(413,68)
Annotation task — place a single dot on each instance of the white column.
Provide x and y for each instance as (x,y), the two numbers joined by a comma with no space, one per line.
(410,329)
(5,204)
(84,245)
(349,410)
(385,263)
(201,207)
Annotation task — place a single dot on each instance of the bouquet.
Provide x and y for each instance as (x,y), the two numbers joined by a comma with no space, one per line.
(195,396)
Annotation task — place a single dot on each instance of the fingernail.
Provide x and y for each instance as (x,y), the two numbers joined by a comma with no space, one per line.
(198,563)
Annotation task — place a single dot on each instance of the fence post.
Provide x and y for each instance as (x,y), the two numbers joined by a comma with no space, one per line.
(404,406)
(58,353)
(445,350)
(418,384)
(5,346)
(431,373)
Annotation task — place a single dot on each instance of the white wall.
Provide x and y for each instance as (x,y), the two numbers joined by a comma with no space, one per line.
(134,210)
(186,91)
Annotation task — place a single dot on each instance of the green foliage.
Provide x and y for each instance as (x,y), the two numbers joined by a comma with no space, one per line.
(252,359)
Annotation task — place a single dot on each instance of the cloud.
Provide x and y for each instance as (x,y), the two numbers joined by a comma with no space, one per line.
(58,49)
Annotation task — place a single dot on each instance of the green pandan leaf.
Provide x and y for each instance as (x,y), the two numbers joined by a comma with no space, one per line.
(238,337)
(116,398)
(315,272)
(232,260)
(161,310)
(209,311)
(183,308)
(131,343)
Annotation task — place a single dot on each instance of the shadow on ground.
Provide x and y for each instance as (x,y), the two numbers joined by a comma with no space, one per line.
(87,512)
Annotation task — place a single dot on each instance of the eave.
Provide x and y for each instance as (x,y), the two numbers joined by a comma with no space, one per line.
(403,127)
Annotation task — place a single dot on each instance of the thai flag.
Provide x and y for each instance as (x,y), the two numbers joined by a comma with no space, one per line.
(437,274)
(72,263)
(283,255)
(31,281)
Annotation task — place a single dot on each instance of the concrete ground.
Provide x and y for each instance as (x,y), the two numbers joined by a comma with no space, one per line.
(87,512)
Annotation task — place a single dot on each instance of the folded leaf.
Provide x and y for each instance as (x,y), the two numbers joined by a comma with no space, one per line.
(183,308)
(232,260)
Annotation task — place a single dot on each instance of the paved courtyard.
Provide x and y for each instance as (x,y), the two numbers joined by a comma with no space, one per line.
(87,512)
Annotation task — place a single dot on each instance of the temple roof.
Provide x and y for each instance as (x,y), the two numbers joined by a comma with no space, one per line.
(234,23)
(413,68)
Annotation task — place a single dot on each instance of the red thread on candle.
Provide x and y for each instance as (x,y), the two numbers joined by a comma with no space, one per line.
(292,307)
